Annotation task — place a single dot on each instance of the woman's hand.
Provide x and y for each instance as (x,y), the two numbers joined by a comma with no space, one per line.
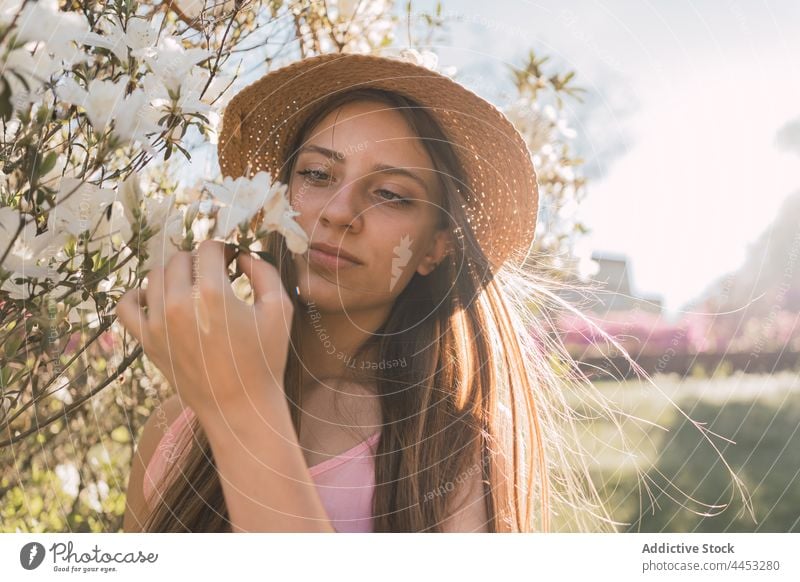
(218,351)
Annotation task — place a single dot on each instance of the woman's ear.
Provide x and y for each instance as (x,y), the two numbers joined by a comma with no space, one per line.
(439,249)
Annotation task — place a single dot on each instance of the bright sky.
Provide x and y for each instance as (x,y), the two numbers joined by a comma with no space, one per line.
(685,100)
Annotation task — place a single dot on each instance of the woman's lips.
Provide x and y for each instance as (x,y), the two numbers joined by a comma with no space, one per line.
(329,261)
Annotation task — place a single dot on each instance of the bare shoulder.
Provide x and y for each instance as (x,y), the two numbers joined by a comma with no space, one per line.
(156,425)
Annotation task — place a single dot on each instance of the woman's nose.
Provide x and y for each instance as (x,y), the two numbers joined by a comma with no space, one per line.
(342,208)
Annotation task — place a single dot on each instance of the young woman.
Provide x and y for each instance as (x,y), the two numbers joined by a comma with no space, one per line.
(396,377)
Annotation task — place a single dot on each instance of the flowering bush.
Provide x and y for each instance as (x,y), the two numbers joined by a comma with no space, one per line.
(95,100)
(644,333)
(638,332)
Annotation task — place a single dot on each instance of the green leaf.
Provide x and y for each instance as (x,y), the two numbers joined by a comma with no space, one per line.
(48,164)
(12,344)
(5,101)
(185,153)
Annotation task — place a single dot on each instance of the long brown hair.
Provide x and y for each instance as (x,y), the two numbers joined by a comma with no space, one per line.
(485,389)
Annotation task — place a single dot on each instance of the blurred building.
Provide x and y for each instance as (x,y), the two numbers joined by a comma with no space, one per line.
(613,290)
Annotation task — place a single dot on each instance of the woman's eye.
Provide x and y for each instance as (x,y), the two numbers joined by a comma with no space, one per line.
(397,199)
(314,174)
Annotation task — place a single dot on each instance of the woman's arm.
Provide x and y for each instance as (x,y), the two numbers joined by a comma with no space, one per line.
(137,508)
(265,479)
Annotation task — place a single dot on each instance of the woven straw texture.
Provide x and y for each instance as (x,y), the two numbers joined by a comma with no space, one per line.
(501,196)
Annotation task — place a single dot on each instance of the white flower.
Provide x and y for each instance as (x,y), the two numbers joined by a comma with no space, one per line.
(423,58)
(9,223)
(197,81)
(8,10)
(110,231)
(28,248)
(20,291)
(126,273)
(188,102)
(113,39)
(562,125)
(278,215)
(62,392)
(229,218)
(105,101)
(35,68)
(172,63)
(53,177)
(244,197)
(78,206)
(346,9)
(533,123)
(194,9)
(360,26)
(96,493)
(202,227)
(212,133)
(157,213)
(140,119)
(84,312)
(130,194)
(43,21)
(427,59)
(102,102)
(68,90)
(68,474)
(139,36)
(162,215)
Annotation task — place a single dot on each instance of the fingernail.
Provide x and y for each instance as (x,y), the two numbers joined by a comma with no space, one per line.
(201,310)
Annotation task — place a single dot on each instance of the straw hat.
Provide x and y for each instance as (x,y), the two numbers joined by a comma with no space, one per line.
(502,197)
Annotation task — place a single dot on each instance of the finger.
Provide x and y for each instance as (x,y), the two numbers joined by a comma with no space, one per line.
(178,277)
(155,295)
(213,257)
(264,278)
(131,314)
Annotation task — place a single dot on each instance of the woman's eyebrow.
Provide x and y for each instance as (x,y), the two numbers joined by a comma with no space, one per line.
(382,168)
(321,150)
(385,169)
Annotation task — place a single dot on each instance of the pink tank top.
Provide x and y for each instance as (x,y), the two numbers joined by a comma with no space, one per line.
(345,483)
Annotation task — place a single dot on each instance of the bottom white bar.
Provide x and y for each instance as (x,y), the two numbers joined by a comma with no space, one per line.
(388,557)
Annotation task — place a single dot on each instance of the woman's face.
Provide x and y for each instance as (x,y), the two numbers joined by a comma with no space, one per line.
(364,184)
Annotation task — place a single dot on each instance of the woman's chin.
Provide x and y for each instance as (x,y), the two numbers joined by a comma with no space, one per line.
(324,294)
(320,288)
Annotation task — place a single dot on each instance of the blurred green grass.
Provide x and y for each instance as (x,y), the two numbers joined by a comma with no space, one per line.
(689,483)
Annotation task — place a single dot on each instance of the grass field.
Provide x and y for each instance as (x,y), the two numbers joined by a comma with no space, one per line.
(689,483)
